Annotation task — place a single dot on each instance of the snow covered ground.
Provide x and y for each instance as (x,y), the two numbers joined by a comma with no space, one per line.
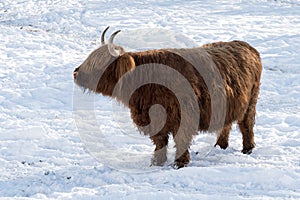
(43,153)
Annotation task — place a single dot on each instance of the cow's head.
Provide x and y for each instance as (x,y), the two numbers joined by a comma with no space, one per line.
(103,67)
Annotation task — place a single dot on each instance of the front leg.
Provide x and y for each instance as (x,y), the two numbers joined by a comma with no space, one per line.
(182,157)
(160,154)
(223,137)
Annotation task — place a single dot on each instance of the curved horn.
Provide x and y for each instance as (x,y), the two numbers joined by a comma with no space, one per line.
(110,41)
(103,35)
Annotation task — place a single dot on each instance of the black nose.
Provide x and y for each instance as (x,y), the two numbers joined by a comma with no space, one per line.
(75,73)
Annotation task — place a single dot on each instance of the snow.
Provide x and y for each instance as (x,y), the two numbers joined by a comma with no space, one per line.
(46,155)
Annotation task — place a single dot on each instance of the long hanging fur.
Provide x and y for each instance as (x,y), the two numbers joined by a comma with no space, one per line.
(240,68)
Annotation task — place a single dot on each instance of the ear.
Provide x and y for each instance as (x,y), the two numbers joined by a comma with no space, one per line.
(125,63)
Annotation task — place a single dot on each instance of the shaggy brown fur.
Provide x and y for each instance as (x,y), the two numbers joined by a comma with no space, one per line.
(238,63)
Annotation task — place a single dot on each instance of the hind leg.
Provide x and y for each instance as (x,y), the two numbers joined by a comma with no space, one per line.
(223,136)
(247,123)
(246,127)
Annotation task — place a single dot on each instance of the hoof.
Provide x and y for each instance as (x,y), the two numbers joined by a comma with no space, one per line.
(182,161)
(222,146)
(155,163)
(178,165)
(247,151)
(158,161)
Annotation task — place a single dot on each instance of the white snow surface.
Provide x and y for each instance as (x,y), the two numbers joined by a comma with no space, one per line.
(43,153)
